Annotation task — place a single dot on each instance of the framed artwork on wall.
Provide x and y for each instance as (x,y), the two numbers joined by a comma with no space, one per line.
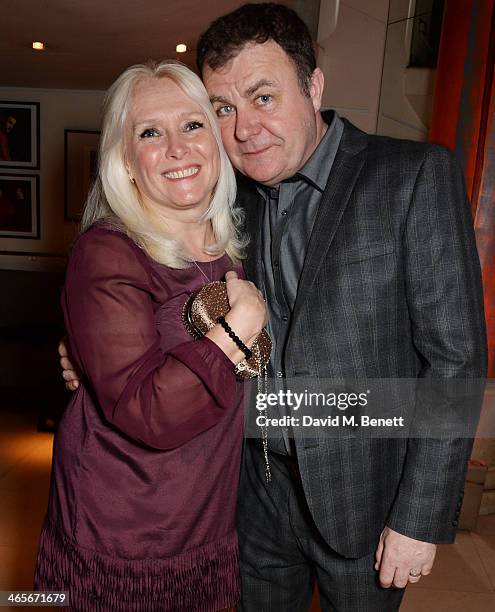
(19,206)
(81,167)
(19,135)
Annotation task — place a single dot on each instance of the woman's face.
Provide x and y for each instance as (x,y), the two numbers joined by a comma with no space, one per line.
(171,151)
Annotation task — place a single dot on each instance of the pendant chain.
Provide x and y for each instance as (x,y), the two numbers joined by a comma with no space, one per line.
(202,271)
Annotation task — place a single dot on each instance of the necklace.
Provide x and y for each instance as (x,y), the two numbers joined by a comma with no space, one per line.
(202,271)
(209,280)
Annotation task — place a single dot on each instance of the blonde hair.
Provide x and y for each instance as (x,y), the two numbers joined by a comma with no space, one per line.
(115,199)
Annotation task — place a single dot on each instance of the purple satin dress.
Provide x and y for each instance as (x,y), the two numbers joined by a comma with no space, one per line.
(146,458)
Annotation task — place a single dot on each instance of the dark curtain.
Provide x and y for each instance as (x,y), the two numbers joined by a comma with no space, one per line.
(464,121)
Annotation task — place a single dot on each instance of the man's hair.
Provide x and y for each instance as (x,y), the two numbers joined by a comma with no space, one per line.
(258,23)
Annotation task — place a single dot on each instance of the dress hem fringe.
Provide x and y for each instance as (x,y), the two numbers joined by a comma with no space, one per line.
(204,579)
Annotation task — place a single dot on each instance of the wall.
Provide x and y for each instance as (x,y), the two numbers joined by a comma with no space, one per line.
(363,50)
(59,109)
(30,317)
(351,45)
(406,96)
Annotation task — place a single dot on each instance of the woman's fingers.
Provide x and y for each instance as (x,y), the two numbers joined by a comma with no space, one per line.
(231,275)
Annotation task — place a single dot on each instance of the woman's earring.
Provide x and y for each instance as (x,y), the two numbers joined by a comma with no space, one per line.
(131,178)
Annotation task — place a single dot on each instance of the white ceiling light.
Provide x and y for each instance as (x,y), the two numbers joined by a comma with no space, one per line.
(182,48)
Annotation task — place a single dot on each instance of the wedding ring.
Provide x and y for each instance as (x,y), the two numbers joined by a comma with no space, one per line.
(414,574)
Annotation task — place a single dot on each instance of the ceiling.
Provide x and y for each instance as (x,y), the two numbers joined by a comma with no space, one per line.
(89,42)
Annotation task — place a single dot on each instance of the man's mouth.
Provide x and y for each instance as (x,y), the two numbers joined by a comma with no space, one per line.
(181,173)
(258,151)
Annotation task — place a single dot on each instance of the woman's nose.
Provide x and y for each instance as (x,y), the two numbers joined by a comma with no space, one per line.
(176,147)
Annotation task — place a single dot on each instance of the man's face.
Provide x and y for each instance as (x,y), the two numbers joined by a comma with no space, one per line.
(269,127)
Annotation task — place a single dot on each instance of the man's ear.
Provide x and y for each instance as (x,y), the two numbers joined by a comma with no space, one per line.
(316,88)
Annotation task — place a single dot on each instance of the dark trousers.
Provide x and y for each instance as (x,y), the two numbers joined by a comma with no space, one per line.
(282,552)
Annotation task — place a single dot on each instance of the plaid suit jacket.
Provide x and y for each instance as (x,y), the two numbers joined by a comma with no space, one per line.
(391,288)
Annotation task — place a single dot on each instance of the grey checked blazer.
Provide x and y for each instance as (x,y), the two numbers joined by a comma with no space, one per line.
(391,288)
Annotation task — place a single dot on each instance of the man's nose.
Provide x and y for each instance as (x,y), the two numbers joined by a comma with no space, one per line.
(246,125)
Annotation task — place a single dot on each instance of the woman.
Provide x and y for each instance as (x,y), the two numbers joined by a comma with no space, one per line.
(146,458)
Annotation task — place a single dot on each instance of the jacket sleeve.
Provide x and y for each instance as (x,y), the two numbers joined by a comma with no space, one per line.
(445,300)
(158,399)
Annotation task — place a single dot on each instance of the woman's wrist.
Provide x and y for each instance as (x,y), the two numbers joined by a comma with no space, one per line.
(217,335)
(220,336)
(241,328)
(234,337)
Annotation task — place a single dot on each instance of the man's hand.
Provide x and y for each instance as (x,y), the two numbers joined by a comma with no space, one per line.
(70,374)
(400,559)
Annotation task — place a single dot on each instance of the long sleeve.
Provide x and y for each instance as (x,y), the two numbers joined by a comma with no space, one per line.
(445,301)
(161,399)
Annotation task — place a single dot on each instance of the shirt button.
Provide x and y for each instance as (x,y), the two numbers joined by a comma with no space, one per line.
(285,318)
(283,213)
(275,264)
(280,374)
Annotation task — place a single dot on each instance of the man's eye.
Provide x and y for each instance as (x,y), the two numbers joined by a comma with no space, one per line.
(225,110)
(193,125)
(264,99)
(149,133)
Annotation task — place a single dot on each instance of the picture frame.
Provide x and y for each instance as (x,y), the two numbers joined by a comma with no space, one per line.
(19,135)
(19,206)
(81,166)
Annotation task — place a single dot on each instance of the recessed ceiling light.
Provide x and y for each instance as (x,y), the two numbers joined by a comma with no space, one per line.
(39,46)
(182,48)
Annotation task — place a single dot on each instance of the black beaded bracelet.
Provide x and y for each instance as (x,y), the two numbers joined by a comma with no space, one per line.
(235,337)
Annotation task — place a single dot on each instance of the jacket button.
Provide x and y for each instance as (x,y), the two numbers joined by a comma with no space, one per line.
(455,523)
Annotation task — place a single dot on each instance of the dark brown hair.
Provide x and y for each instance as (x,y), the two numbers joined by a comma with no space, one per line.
(258,23)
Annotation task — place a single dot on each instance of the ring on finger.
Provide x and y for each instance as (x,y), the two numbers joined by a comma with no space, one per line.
(415,573)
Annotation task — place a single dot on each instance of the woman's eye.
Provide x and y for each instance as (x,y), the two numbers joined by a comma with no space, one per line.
(192,125)
(149,133)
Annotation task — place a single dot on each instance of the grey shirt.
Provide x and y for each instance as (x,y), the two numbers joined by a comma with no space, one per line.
(289,214)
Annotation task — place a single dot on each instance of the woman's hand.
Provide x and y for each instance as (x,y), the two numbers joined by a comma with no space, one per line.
(247,317)
(248,314)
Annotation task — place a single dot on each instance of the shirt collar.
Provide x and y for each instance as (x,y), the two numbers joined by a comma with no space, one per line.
(315,170)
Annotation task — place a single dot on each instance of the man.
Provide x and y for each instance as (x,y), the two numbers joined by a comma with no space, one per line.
(364,249)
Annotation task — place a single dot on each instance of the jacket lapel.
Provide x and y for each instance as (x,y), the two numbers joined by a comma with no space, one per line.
(342,178)
(252,204)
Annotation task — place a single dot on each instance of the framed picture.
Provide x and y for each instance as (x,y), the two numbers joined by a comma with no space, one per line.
(19,206)
(20,135)
(81,167)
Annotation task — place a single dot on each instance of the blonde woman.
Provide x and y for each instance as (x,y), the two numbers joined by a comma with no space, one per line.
(146,458)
